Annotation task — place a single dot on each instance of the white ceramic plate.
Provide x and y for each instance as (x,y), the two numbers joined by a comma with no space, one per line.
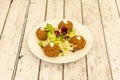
(38,52)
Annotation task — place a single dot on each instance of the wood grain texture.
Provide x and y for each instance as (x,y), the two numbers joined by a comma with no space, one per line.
(102,17)
(97,59)
(75,70)
(10,39)
(111,24)
(4,10)
(50,71)
(28,66)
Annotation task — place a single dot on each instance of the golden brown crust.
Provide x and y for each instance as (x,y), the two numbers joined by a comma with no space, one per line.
(79,44)
(69,25)
(41,34)
(51,51)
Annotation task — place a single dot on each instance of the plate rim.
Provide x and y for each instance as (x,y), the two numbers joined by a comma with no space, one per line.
(64,56)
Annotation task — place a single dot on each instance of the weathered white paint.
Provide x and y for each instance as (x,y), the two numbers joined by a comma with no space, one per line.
(75,70)
(50,71)
(97,59)
(11,37)
(111,22)
(28,65)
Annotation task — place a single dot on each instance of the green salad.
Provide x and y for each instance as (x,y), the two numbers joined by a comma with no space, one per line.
(60,37)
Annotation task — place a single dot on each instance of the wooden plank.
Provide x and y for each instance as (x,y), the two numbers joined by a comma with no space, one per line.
(50,71)
(28,65)
(111,24)
(4,10)
(10,39)
(97,59)
(75,70)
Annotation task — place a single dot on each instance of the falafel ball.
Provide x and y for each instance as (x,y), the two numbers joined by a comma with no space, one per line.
(41,34)
(51,50)
(78,41)
(66,24)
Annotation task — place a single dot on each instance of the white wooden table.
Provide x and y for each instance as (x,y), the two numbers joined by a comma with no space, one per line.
(18,18)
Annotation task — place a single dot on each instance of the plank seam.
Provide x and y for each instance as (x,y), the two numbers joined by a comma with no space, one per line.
(83,24)
(117,8)
(63,71)
(46,6)
(39,70)
(86,67)
(63,65)
(20,43)
(105,39)
(6,19)
(63,9)
(82,11)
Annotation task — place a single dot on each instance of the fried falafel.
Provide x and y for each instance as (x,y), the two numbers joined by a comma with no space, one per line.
(66,24)
(51,50)
(41,34)
(78,42)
